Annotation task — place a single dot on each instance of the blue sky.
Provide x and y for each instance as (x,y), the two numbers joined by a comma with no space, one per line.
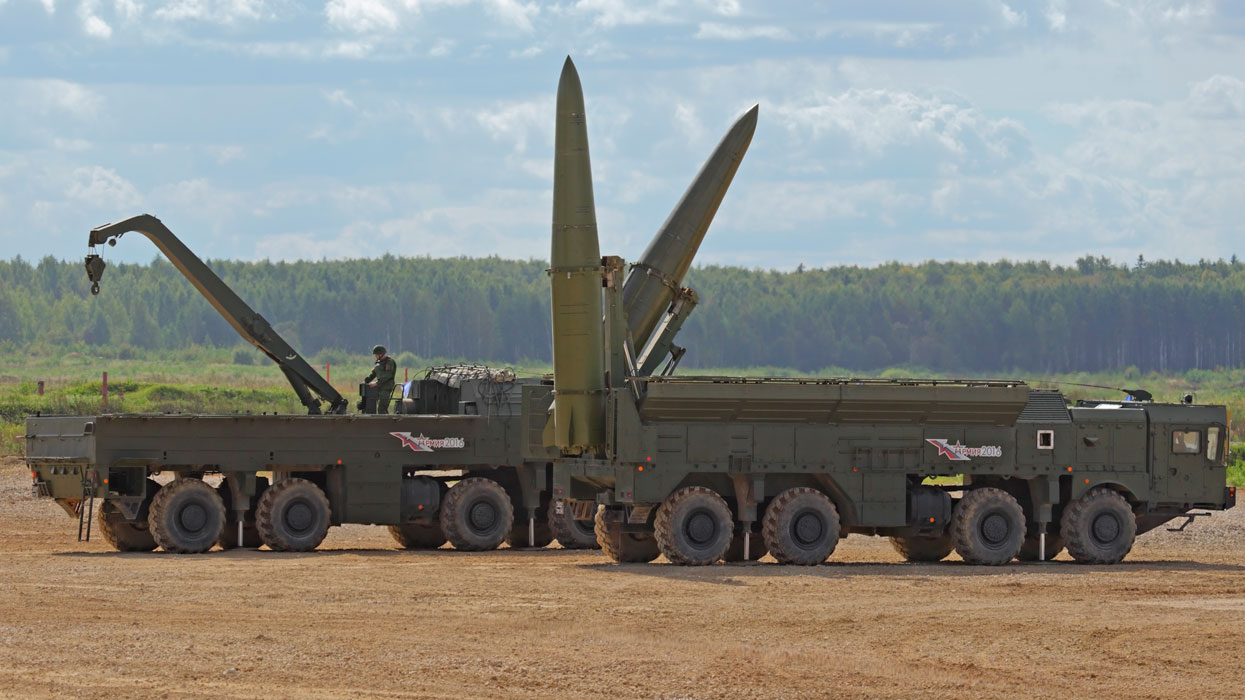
(890,130)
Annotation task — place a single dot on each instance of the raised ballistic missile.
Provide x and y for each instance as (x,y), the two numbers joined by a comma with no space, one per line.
(575,271)
(655,279)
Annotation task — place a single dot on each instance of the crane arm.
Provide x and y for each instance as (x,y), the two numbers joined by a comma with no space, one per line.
(254,328)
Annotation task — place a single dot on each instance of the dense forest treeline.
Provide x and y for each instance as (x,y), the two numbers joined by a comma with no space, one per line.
(974,317)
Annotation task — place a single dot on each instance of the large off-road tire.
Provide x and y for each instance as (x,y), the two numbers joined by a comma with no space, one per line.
(756,547)
(186,516)
(418,535)
(623,547)
(988,527)
(124,535)
(293,515)
(569,532)
(1099,527)
(693,526)
(250,533)
(517,539)
(476,514)
(801,526)
(924,549)
(1029,550)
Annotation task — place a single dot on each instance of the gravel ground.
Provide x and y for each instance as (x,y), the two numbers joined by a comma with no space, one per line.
(362,619)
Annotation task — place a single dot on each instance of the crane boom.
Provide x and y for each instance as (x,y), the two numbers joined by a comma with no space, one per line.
(254,328)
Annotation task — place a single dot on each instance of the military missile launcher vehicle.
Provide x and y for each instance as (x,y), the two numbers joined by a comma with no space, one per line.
(702,469)
(462,460)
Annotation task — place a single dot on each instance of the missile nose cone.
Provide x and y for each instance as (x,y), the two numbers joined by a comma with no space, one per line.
(570,92)
(750,117)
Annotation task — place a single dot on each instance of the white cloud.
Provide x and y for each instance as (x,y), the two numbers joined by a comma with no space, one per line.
(513,13)
(685,118)
(227,154)
(1218,97)
(731,32)
(516,122)
(103,188)
(1012,18)
(92,24)
(350,49)
(442,47)
(49,6)
(339,97)
(71,145)
(875,120)
(1057,15)
(530,52)
(225,12)
(128,10)
(901,34)
(607,14)
(363,16)
(510,223)
(55,96)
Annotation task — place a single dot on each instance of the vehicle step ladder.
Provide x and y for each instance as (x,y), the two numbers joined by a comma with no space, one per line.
(86,510)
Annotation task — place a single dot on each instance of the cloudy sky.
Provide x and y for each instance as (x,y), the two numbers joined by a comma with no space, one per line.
(889,130)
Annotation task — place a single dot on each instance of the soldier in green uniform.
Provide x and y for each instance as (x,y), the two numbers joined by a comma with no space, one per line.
(383,373)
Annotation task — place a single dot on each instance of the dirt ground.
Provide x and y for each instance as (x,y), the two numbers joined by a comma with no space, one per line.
(362,619)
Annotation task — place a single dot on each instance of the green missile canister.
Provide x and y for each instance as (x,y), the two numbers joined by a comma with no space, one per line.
(654,281)
(575,271)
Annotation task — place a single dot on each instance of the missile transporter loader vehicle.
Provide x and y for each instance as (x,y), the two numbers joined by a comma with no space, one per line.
(702,469)
(453,464)
(464,459)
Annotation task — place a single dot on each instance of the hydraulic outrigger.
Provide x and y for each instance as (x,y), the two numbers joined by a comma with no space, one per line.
(245,320)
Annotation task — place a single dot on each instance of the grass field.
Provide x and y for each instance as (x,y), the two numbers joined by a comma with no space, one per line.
(241,380)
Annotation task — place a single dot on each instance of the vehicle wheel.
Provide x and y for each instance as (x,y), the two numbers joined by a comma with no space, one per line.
(293,515)
(693,526)
(186,516)
(988,527)
(569,532)
(250,533)
(418,535)
(476,514)
(517,539)
(623,547)
(1099,527)
(801,526)
(1029,550)
(124,535)
(923,549)
(756,547)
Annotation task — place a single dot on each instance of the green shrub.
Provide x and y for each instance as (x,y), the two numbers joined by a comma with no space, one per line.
(243,356)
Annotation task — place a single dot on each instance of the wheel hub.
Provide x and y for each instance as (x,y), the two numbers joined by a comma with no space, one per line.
(1106,528)
(995,528)
(807,528)
(700,527)
(192,517)
(482,516)
(299,516)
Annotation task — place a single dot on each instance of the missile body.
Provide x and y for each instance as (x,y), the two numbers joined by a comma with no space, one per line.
(654,281)
(575,271)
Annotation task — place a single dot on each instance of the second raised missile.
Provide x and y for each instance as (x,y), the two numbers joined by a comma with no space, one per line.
(655,279)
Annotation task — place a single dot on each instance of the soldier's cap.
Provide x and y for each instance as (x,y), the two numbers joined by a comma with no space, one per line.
(378,350)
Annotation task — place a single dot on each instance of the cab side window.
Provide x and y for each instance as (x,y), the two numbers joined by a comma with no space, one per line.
(1186,442)
(1212,444)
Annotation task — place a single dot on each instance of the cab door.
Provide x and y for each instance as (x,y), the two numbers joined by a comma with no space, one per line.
(1184,449)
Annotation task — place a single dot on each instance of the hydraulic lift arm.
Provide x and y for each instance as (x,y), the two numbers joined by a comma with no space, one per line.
(249,324)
